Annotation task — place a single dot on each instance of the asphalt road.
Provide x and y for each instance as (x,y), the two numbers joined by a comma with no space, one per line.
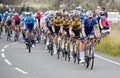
(16,62)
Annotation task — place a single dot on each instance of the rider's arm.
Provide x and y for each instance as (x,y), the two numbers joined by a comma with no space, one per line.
(96,29)
(82,28)
(83,31)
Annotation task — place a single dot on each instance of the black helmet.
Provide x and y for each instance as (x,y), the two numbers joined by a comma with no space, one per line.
(102,13)
(103,8)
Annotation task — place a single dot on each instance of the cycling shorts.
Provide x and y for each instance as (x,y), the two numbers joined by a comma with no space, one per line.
(57,28)
(30,27)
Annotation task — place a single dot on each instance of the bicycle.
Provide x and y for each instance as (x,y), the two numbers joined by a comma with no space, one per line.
(0,31)
(29,43)
(67,49)
(76,54)
(89,54)
(59,44)
(8,33)
(16,36)
(50,46)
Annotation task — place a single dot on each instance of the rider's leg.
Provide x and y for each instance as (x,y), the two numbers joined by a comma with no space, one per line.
(27,34)
(63,40)
(47,38)
(32,35)
(55,39)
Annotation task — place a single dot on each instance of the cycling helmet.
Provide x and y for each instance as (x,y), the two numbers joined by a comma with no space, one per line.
(28,13)
(10,14)
(102,13)
(6,12)
(89,14)
(75,15)
(103,8)
(16,13)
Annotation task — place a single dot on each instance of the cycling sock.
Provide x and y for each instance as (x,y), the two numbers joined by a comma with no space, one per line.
(82,55)
(55,49)
(32,41)
(26,40)
(63,42)
(71,47)
(47,43)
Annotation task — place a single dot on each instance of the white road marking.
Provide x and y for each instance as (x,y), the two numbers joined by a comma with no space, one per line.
(13,43)
(2,50)
(6,46)
(8,62)
(20,70)
(3,55)
(107,60)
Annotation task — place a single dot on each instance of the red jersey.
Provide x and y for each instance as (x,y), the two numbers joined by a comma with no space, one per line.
(16,18)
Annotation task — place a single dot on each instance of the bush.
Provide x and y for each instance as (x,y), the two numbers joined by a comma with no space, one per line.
(111,44)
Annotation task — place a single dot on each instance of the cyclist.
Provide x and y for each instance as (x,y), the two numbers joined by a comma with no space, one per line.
(8,22)
(5,15)
(65,29)
(30,22)
(49,24)
(16,23)
(1,22)
(90,29)
(38,17)
(75,32)
(23,16)
(57,24)
(16,20)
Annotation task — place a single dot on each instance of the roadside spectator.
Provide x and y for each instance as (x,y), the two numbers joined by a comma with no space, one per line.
(27,8)
(105,12)
(23,8)
(7,8)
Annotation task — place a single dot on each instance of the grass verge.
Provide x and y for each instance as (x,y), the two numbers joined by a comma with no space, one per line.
(110,45)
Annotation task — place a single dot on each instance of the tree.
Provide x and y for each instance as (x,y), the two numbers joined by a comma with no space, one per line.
(8,2)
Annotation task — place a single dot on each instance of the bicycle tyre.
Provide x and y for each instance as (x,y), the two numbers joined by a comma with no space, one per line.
(78,57)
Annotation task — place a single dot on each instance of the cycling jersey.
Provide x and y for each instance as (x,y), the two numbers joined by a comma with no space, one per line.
(89,27)
(0,17)
(57,22)
(9,21)
(30,23)
(16,18)
(76,25)
(66,24)
(5,16)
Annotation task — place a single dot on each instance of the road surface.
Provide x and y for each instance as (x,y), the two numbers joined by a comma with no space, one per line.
(16,62)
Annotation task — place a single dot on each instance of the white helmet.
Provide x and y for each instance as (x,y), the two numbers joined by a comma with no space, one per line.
(89,14)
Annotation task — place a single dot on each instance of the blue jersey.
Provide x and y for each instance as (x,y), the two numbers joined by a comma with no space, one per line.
(89,27)
(32,21)
(23,18)
(5,16)
(0,17)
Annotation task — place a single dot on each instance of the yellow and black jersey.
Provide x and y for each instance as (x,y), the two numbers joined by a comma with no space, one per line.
(57,22)
(76,25)
(66,24)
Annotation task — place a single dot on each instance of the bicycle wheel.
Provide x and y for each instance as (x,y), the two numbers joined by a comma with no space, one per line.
(29,45)
(63,53)
(74,56)
(68,55)
(0,33)
(8,35)
(15,37)
(91,58)
(78,57)
(58,53)
(51,47)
